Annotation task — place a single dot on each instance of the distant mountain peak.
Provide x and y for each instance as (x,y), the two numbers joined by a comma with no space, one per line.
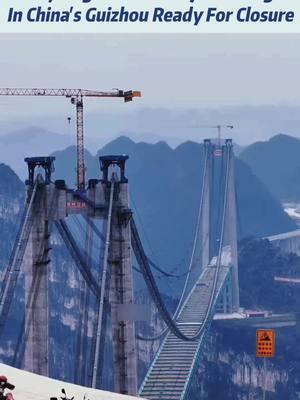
(10,183)
(6,171)
(158,146)
(122,144)
(121,141)
(277,163)
(30,141)
(283,137)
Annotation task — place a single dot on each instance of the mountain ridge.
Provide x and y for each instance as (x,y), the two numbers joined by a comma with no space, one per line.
(276,163)
(165,186)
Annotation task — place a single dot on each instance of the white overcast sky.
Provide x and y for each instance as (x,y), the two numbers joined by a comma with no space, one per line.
(186,71)
(181,70)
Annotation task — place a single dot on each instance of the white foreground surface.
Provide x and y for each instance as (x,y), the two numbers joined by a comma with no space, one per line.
(35,387)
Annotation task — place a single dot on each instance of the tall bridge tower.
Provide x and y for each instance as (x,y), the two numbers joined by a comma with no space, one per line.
(50,203)
(206,208)
(36,262)
(232,225)
(230,299)
(121,286)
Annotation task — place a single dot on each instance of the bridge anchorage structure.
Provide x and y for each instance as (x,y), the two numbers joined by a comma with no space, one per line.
(211,281)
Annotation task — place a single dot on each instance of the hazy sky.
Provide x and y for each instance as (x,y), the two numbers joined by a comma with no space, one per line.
(186,71)
(181,70)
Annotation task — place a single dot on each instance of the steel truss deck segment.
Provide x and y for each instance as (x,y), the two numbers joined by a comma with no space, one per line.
(171,370)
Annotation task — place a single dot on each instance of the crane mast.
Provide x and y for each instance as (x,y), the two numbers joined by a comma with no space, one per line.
(76,96)
(80,143)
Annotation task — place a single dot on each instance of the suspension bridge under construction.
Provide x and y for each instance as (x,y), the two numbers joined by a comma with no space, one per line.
(211,284)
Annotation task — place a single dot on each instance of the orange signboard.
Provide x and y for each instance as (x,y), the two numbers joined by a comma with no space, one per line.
(265,343)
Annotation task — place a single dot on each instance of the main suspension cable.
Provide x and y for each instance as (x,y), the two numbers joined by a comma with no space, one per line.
(207,156)
(149,279)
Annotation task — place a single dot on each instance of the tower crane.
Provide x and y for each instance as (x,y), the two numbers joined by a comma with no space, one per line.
(76,96)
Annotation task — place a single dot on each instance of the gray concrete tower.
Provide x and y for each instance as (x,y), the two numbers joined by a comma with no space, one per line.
(121,286)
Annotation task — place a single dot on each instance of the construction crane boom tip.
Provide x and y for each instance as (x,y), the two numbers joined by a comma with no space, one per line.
(130,94)
(136,93)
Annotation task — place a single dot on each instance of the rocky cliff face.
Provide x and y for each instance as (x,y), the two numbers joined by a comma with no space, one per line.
(165,186)
(11,207)
(230,370)
(11,204)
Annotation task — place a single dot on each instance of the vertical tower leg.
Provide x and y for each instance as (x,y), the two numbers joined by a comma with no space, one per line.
(36,289)
(205,217)
(80,375)
(232,223)
(121,295)
(80,144)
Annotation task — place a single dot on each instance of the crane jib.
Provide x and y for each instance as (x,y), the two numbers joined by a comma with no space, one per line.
(67,92)
(76,96)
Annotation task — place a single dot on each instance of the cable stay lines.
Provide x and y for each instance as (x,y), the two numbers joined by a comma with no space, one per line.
(100,332)
(78,258)
(152,263)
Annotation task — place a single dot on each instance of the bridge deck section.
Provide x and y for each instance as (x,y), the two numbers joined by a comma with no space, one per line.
(169,375)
